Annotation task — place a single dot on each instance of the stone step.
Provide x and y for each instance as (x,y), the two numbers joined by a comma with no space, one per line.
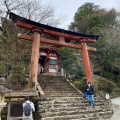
(69,101)
(56,88)
(63,109)
(61,91)
(62,113)
(97,108)
(67,117)
(80,98)
(56,105)
(94,113)
(92,118)
(58,102)
(58,83)
(72,104)
(100,100)
(53,82)
(71,117)
(45,99)
(61,95)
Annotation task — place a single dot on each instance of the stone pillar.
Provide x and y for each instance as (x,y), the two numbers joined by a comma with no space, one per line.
(33,75)
(62,72)
(2,103)
(86,63)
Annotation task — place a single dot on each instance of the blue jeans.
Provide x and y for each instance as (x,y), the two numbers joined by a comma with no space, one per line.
(91,100)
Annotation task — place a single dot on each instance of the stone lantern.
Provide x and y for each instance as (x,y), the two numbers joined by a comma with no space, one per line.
(3,90)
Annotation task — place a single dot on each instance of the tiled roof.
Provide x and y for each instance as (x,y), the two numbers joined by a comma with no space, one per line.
(15,18)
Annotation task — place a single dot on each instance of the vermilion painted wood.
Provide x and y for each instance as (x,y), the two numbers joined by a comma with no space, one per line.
(61,42)
(34,60)
(50,32)
(86,63)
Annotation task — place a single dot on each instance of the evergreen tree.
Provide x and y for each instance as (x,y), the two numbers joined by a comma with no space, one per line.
(70,62)
(91,19)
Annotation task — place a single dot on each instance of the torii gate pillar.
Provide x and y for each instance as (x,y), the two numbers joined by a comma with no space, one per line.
(33,75)
(86,63)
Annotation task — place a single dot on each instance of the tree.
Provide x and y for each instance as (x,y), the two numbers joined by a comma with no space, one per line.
(91,19)
(70,62)
(15,52)
(67,58)
(108,55)
(32,10)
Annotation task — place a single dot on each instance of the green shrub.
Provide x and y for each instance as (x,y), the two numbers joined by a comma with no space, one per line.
(102,86)
(80,84)
(105,85)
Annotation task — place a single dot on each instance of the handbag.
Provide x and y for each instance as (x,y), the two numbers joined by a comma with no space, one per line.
(85,94)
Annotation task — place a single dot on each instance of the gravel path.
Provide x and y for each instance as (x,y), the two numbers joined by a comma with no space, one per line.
(116,108)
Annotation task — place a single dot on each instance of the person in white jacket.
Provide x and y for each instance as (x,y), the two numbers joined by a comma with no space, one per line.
(28,108)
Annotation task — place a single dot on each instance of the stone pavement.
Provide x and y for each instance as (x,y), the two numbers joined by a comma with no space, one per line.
(116,108)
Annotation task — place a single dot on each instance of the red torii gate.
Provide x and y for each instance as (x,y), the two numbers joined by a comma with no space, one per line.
(64,38)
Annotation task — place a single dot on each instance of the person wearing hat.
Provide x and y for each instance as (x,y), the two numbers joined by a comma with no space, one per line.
(28,108)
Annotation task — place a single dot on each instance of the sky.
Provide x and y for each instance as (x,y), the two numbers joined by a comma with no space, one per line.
(68,8)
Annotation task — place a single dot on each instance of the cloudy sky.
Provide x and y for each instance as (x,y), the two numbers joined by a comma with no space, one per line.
(69,7)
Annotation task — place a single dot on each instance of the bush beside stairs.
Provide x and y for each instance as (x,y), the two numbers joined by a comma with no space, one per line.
(63,102)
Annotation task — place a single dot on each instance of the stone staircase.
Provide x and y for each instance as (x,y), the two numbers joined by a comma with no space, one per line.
(63,102)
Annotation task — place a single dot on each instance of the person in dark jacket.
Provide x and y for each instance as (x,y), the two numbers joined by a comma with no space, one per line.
(90,94)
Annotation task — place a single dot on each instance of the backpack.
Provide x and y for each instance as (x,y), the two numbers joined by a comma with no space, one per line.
(27,109)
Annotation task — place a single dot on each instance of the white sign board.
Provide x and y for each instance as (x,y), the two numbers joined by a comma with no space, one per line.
(52,70)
